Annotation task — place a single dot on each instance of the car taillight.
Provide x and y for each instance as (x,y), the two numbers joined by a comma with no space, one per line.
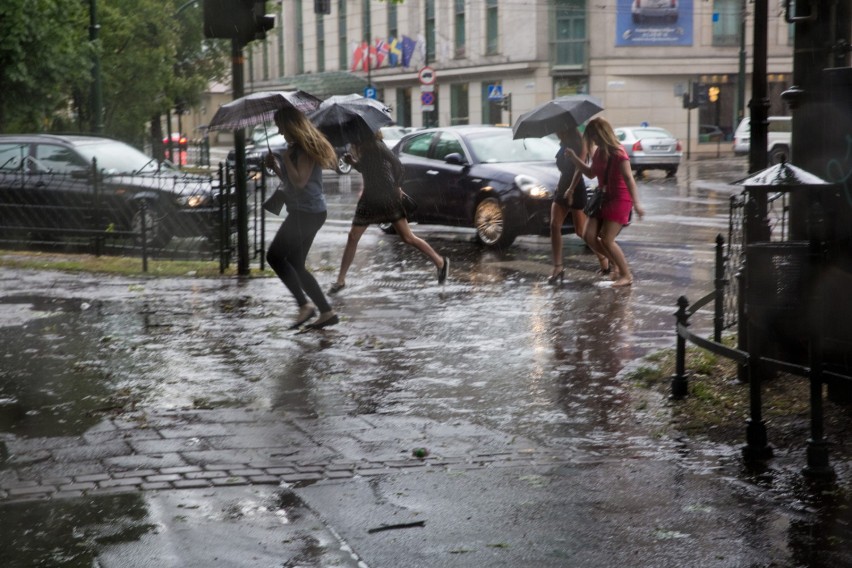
(674,3)
(679,147)
(637,146)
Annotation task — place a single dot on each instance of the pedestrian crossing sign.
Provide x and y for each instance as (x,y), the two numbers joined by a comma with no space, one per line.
(495,92)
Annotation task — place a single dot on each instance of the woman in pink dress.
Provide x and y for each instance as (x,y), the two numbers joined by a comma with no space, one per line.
(611,166)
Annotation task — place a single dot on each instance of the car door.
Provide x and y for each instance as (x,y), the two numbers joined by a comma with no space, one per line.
(14,181)
(413,152)
(448,179)
(60,188)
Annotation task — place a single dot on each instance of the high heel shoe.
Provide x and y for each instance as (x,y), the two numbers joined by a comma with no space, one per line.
(557,276)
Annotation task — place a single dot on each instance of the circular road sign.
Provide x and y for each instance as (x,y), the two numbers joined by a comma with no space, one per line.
(427,76)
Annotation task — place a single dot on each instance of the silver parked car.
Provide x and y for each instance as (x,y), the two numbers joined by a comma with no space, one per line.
(650,148)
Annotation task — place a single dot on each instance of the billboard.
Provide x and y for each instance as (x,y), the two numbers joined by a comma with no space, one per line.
(653,23)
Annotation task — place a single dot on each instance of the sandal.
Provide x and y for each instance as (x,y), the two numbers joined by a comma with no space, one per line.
(558,274)
(336,287)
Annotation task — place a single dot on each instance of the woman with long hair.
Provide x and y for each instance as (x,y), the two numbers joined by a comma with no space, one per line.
(381,202)
(611,165)
(299,168)
(569,179)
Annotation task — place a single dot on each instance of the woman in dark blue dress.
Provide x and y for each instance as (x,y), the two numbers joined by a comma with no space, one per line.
(560,208)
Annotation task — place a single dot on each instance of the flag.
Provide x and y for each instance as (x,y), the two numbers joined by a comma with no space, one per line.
(394,51)
(382,52)
(359,57)
(407,50)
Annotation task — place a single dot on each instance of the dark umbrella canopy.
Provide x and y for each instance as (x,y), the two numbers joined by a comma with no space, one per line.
(346,119)
(259,108)
(565,112)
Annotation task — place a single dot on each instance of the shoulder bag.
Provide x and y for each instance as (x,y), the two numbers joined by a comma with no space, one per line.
(596,199)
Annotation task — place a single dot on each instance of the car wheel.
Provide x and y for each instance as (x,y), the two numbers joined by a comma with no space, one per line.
(779,154)
(343,167)
(491,224)
(155,233)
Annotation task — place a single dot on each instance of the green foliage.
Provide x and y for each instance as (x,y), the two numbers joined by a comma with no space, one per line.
(150,59)
(43,57)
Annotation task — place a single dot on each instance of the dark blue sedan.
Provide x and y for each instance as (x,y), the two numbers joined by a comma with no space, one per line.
(477,176)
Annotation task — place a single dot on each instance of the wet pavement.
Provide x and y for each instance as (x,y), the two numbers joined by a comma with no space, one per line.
(486,422)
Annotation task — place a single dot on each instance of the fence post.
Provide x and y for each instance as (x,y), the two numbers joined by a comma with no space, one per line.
(719,284)
(680,383)
(757,448)
(143,209)
(224,219)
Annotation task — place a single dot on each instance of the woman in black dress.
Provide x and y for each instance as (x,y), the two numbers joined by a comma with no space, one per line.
(559,209)
(381,202)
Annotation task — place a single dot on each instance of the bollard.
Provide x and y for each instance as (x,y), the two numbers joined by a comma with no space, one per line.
(680,383)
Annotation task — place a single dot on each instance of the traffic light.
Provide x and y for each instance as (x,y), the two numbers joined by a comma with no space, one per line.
(242,20)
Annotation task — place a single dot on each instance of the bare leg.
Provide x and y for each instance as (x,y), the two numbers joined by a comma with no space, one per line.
(580,219)
(590,235)
(557,217)
(409,238)
(608,233)
(355,234)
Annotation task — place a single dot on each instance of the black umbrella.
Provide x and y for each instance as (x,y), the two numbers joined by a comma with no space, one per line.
(346,119)
(259,108)
(565,112)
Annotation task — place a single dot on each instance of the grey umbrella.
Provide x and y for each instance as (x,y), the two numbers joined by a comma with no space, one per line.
(565,112)
(259,108)
(346,119)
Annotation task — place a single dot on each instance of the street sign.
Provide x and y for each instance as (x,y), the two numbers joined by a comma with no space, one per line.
(427,101)
(495,92)
(427,76)
(370,92)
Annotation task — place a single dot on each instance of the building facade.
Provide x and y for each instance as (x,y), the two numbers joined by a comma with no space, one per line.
(493,60)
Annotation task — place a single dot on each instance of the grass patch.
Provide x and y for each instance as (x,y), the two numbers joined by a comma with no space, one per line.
(717,406)
(118,265)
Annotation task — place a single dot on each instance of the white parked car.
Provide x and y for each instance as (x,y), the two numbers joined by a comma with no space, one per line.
(778,138)
(650,148)
(664,10)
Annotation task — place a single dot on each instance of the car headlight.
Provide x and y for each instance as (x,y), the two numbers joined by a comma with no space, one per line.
(532,187)
(193,201)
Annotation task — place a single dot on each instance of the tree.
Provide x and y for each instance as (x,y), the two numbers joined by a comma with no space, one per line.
(44,56)
(151,59)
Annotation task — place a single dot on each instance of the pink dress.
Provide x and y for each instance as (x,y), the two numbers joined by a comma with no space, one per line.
(618,203)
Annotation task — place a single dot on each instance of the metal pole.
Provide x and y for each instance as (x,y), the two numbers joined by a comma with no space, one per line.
(240,164)
(742,67)
(719,284)
(759,105)
(97,94)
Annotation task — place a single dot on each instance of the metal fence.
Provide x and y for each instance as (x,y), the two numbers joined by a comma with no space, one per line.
(174,216)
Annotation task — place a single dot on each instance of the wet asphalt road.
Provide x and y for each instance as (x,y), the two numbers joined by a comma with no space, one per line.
(178,422)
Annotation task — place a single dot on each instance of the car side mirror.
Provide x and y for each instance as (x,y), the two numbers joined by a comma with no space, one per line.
(455,159)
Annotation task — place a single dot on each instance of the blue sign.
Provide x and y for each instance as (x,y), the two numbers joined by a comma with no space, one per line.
(370,92)
(495,92)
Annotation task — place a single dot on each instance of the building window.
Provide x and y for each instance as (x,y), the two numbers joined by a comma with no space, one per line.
(726,22)
(491,28)
(430,30)
(569,42)
(300,40)
(279,30)
(342,42)
(320,42)
(459,25)
(366,23)
(403,107)
(393,25)
(459,112)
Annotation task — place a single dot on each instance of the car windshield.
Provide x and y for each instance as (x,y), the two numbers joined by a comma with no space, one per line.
(497,146)
(117,157)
